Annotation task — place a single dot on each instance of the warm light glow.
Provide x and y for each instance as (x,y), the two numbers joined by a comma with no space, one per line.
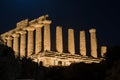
(34,40)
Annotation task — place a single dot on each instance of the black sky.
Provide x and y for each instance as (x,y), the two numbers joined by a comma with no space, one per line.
(104,15)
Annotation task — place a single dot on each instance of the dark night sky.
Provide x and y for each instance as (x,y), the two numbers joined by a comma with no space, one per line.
(104,15)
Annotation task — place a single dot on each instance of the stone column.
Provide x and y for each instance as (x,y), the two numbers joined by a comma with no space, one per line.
(82,43)
(9,41)
(38,37)
(93,42)
(103,50)
(59,40)
(30,44)
(22,43)
(16,44)
(71,43)
(47,40)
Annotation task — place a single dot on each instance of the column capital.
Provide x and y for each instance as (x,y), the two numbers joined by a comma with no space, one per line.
(29,28)
(47,22)
(21,32)
(92,30)
(9,38)
(37,25)
(15,35)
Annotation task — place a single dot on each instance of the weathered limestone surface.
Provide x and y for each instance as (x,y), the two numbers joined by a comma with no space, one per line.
(59,40)
(22,24)
(30,44)
(82,43)
(103,50)
(93,42)
(38,37)
(71,42)
(22,43)
(47,39)
(9,41)
(24,33)
(16,44)
(33,22)
(42,18)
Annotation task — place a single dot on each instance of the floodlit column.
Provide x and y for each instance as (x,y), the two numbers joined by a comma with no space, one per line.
(103,50)
(38,37)
(30,44)
(16,44)
(71,43)
(9,41)
(82,43)
(59,40)
(47,40)
(93,42)
(22,43)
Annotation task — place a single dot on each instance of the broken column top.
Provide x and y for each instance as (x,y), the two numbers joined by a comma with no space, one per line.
(25,23)
(22,24)
(47,22)
(92,30)
(82,31)
(42,18)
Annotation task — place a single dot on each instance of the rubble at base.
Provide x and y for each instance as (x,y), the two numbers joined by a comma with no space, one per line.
(51,58)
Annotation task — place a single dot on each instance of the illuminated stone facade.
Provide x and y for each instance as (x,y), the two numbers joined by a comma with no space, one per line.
(71,42)
(82,43)
(93,43)
(33,39)
(59,39)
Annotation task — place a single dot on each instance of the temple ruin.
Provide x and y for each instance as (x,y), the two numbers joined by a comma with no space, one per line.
(32,39)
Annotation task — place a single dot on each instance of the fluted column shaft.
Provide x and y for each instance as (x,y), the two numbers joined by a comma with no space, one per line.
(9,41)
(30,44)
(16,44)
(22,43)
(59,40)
(71,42)
(38,37)
(82,43)
(93,42)
(47,39)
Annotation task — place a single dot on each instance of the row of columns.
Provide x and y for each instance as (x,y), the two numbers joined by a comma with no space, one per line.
(20,37)
(71,42)
(47,43)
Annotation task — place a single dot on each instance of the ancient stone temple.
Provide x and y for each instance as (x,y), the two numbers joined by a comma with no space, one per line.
(32,39)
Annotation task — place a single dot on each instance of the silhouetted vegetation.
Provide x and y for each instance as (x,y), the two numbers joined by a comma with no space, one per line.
(12,68)
(8,64)
(113,63)
(112,55)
